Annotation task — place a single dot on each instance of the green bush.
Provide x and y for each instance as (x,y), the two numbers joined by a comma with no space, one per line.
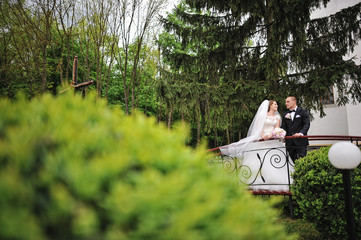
(304,229)
(318,187)
(71,168)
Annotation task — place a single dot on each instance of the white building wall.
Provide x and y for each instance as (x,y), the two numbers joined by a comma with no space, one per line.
(354,119)
(335,122)
(345,120)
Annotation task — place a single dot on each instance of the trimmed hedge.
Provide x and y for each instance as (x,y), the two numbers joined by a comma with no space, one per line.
(71,168)
(318,187)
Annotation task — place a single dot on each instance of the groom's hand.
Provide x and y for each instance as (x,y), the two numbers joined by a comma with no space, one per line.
(297,134)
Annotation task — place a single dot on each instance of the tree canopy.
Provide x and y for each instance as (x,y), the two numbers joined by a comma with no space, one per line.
(242,52)
(218,60)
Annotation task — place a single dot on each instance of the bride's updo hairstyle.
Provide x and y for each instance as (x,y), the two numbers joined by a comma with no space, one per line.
(270,104)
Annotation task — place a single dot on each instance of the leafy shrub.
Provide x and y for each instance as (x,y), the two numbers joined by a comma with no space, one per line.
(294,224)
(304,229)
(318,187)
(71,168)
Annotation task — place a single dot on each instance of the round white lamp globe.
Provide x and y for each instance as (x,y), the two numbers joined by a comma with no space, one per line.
(344,155)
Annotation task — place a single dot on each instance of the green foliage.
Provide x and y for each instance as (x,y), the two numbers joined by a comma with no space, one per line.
(319,192)
(305,230)
(71,168)
(201,82)
(295,224)
(234,54)
(145,99)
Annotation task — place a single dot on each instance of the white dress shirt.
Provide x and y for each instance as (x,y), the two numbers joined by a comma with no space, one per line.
(293,113)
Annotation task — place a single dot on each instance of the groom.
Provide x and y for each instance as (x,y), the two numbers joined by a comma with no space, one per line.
(295,122)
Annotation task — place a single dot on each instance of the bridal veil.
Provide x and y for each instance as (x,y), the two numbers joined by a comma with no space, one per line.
(237,149)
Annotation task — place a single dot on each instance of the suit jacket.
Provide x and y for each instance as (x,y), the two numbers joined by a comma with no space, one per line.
(299,124)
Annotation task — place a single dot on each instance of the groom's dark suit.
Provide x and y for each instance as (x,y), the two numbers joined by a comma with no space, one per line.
(297,147)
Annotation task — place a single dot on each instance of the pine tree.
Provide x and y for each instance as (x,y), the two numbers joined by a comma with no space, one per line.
(255,50)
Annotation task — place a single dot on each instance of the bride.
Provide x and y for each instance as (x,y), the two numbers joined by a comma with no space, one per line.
(261,157)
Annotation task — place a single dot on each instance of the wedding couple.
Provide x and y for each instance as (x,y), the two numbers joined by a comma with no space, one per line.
(263,164)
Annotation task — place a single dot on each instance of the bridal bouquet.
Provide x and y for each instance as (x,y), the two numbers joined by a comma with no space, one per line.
(279,133)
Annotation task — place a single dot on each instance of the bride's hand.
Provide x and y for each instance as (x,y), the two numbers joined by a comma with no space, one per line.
(266,137)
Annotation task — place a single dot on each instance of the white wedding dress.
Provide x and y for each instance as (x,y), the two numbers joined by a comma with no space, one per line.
(270,123)
(263,165)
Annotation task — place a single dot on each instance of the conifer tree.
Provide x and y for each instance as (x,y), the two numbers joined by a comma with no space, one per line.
(269,49)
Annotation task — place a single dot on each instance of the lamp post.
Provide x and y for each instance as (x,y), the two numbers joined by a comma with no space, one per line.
(346,156)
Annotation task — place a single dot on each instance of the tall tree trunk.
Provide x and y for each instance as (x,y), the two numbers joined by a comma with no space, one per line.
(134,71)
(110,67)
(87,61)
(227,132)
(199,130)
(170,115)
(43,75)
(67,59)
(138,86)
(126,94)
(159,113)
(215,134)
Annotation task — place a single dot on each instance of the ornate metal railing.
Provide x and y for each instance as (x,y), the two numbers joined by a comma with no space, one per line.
(258,161)
(267,167)
(264,167)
